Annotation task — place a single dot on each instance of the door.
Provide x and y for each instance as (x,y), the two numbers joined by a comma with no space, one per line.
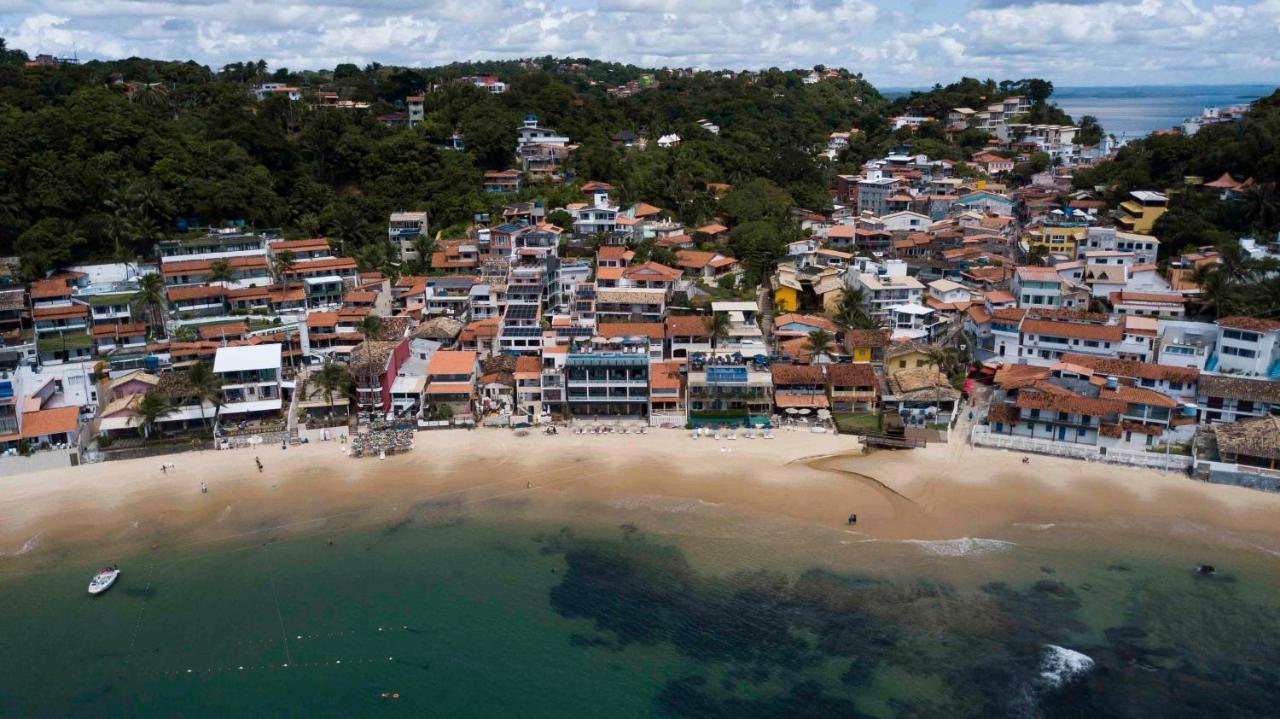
(1062,434)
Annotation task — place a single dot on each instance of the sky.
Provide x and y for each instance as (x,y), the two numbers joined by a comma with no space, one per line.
(894,43)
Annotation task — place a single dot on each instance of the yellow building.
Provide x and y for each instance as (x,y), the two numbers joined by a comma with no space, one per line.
(1058,239)
(1140,212)
(786,299)
(865,345)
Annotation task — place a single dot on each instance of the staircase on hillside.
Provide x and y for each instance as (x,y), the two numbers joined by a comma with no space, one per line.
(764,298)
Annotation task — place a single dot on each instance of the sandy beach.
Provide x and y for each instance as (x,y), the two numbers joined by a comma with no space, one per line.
(944,491)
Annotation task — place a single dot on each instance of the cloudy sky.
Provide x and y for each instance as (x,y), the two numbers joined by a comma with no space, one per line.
(893,42)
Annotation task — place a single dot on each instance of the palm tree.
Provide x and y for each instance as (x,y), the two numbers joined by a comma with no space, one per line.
(717,325)
(332,378)
(184,333)
(851,313)
(150,295)
(283,264)
(221,271)
(205,387)
(151,408)
(942,359)
(820,343)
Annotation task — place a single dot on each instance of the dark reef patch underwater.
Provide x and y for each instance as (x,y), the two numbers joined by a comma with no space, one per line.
(828,644)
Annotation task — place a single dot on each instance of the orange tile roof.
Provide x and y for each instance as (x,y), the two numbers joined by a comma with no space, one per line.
(44,289)
(694,259)
(199,267)
(859,374)
(790,374)
(651,271)
(61,312)
(809,320)
(528,365)
(652,330)
(223,331)
(322,319)
(1073,403)
(1251,324)
(714,228)
(195,292)
(323,265)
(1132,368)
(687,326)
(452,362)
(315,243)
(50,421)
(1139,395)
(1077,330)
(614,252)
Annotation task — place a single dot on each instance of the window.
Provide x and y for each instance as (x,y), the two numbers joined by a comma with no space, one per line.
(1240,335)
(1080,432)
(1239,352)
(902,364)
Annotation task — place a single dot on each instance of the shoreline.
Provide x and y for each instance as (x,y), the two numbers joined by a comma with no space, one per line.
(945,491)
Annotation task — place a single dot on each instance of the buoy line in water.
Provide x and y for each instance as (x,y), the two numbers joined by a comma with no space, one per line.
(137,622)
(258,668)
(385,631)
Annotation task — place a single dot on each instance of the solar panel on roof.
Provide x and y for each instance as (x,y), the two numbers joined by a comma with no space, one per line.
(521,332)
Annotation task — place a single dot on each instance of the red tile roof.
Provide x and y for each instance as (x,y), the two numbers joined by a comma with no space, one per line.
(1251,324)
(652,330)
(687,326)
(1076,330)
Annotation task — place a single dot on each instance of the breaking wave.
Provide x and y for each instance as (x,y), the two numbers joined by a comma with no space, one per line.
(1061,666)
(961,547)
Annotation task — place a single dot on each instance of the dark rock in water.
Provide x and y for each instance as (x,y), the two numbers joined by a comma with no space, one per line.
(1125,631)
(1206,570)
(1119,568)
(688,697)
(1049,586)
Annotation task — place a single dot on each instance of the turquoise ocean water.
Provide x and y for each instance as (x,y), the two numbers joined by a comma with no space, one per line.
(648,608)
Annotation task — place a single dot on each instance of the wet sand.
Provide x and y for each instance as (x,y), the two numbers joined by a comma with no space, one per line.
(942,492)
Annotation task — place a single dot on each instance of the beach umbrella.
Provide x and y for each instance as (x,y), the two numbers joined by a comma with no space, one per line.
(824,413)
(804,411)
(792,410)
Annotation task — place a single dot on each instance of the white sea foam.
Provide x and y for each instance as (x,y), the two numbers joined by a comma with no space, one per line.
(27,547)
(961,547)
(1040,527)
(661,504)
(1061,665)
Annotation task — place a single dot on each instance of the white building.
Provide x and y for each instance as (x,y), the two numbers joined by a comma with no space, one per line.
(251,380)
(885,289)
(403,231)
(1144,247)
(905,221)
(1248,346)
(530,134)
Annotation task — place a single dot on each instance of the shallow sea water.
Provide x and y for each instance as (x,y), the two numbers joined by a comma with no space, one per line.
(649,607)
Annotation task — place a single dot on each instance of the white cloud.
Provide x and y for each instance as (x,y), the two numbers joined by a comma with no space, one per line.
(891,42)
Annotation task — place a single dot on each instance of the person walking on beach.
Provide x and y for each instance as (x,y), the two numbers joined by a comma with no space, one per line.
(259,463)
(164,468)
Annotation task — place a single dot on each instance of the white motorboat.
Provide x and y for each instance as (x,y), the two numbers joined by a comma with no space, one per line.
(103,580)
